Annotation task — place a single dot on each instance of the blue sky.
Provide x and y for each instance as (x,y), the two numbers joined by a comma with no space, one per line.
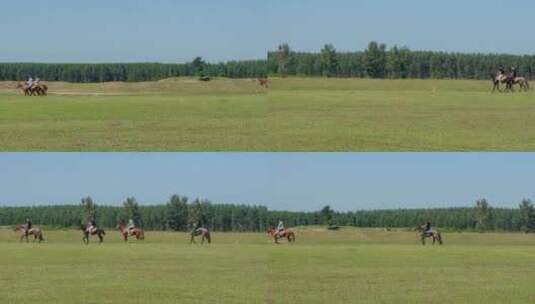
(283,181)
(179,30)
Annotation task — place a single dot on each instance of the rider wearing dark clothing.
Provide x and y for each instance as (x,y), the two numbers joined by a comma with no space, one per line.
(196,226)
(28,225)
(91,226)
(427,228)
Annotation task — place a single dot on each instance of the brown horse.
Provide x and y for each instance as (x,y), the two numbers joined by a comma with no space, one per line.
(276,235)
(25,89)
(263,82)
(137,232)
(40,89)
(98,232)
(36,232)
(203,232)
(500,78)
(521,81)
(435,235)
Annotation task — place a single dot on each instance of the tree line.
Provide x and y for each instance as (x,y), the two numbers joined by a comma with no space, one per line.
(379,61)
(180,214)
(131,72)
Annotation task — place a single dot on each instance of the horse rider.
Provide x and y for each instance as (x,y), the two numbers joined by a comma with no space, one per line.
(29,83)
(130,225)
(91,226)
(428,230)
(27,226)
(195,226)
(36,82)
(280,228)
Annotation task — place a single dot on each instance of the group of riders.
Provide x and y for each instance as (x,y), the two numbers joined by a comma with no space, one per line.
(509,79)
(198,229)
(91,226)
(33,87)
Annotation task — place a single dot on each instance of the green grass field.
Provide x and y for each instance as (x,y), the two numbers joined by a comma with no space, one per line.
(295,114)
(348,266)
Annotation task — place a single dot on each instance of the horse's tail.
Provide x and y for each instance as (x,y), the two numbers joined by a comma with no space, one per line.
(527,85)
(141,234)
(208,238)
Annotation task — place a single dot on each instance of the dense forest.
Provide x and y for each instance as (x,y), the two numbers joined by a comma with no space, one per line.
(130,71)
(179,214)
(378,61)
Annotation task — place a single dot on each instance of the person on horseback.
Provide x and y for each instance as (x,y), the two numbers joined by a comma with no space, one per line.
(27,226)
(29,83)
(280,228)
(511,78)
(196,226)
(91,226)
(428,230)
(130,225)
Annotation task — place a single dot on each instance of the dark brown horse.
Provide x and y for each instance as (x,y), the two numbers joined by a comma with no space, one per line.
(25,89)
(435,235)
(263,82)
(98,232)
(40,89)
(276,235)
(136,232)
(203,232)
(36,232)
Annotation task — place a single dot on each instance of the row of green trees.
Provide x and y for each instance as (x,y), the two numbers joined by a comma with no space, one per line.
(179,214)
(130,71)
(378,61)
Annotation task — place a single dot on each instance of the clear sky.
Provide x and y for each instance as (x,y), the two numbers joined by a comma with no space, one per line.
(453,25)
(179,30)
(133,30)
(283,181)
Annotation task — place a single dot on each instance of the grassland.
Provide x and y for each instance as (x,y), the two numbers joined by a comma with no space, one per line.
(294,114)
(348,266)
